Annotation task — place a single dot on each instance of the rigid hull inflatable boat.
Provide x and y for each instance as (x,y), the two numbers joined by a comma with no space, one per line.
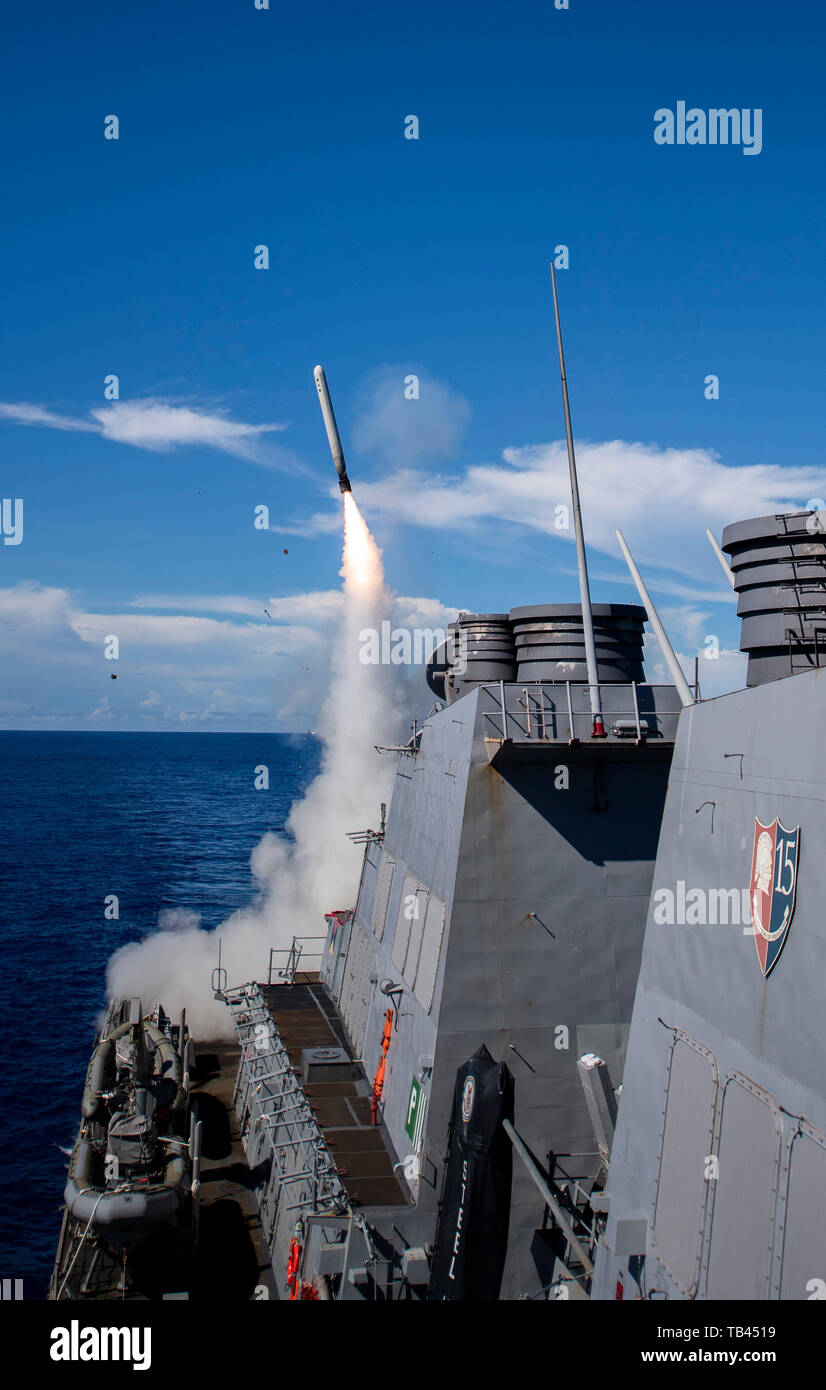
(129,1169)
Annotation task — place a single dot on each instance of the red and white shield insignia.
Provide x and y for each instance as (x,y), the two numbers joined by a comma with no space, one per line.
(773,888)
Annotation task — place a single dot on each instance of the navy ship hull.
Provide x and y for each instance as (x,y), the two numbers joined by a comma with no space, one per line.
(717,1181)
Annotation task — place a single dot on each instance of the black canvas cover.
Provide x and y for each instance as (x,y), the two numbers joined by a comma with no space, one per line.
(472,1229)
(130,1139)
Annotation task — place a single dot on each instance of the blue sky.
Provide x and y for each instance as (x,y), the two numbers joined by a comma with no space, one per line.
(241,127)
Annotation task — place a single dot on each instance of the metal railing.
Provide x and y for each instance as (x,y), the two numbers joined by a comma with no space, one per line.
(556,712)
(278,1127)
(285,973)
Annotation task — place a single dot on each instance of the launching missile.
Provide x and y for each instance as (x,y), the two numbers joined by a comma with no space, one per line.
(332,429)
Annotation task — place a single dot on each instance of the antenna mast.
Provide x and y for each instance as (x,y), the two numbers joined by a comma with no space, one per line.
(721,557)
(598,730)
(686,697)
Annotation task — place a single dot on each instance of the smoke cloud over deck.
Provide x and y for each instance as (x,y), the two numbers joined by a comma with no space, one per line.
(313,867)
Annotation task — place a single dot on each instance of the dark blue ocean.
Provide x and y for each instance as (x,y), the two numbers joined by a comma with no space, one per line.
(163,821)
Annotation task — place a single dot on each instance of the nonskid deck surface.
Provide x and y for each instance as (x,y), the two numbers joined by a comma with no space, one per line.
(229,1259)
(305,1017)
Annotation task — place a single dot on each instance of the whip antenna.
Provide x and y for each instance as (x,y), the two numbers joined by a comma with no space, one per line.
(598,730)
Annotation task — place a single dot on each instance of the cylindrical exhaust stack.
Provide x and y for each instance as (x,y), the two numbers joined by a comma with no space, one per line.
(479,650)
(779,568)
(550,642)
(544,642)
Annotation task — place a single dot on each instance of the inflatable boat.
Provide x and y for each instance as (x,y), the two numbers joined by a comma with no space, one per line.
(129,1171)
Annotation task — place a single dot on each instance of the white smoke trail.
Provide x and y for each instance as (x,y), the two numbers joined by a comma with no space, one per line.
(317,869)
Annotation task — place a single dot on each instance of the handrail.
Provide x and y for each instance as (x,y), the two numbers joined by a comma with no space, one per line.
(296,1146)
(294,953)
(540,708)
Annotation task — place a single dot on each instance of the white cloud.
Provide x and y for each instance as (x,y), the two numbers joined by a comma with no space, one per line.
(717,677)
(317,604)
(423,612)
(103,711)
(24,414)
(159,425)
(662,499)
(674,588)
(688,626)
(176,667)
(403,432)
(321,524)
(31,606)
(151,629)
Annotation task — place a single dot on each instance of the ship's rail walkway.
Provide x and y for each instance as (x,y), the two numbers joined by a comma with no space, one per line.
(285,962)
(303,1103)
(560,712)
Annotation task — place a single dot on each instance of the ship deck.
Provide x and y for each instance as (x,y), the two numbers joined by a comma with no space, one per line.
(228,1257)
(229,1260)
(305,1017)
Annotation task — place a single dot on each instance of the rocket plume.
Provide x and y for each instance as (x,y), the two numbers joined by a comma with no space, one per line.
(314,868)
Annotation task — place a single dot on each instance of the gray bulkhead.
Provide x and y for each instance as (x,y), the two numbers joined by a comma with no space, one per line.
(482,834)
(718,1168)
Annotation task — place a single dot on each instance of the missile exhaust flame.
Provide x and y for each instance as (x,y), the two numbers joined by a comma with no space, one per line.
(361,566)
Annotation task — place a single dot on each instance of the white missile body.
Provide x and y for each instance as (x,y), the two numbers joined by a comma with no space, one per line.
(332,429)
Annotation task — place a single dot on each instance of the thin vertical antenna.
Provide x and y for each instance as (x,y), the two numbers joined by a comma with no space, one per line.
(598,730)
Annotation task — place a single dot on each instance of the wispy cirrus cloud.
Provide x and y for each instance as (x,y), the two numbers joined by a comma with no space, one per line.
(22,413)
(159,425)
(315,605)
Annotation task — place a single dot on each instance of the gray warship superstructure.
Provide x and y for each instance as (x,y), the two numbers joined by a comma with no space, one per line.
(717,1182)
(499,918)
